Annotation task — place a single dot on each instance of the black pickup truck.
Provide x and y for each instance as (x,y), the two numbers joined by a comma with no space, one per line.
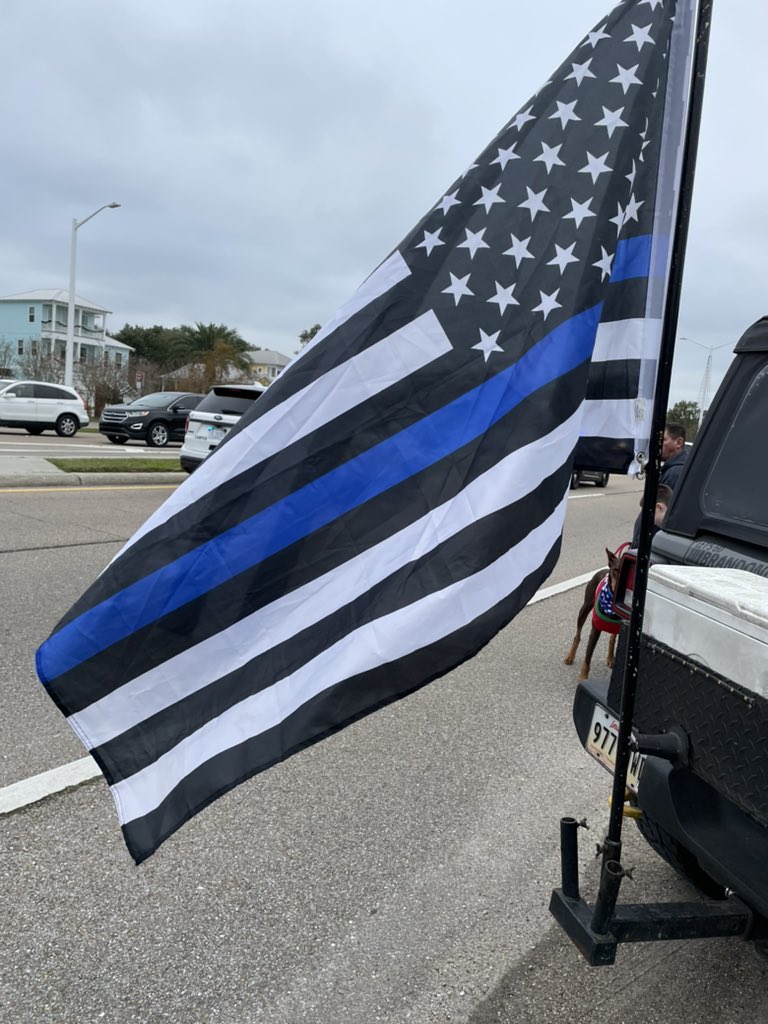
(703,667)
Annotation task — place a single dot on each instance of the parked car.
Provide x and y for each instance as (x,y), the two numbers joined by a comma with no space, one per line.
(598,477)
(37,406)
(155,419)
(213,418)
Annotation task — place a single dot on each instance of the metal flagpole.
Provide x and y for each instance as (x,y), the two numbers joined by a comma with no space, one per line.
(611,873)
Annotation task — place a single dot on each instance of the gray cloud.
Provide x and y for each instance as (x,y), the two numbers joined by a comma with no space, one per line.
(269,156)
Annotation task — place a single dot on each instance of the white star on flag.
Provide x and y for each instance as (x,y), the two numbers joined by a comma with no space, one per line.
(593,38)
(504,297)
(535,202)
(563,257)
(626,77)
(618,220)
(473,242)
(458,288)
(596,166)
(548,303)
(448,201)
(604,263)
(519,119)
(579,211)
(489,197)
(487,344)
(430,240)
(580,72)
(565,113)
(549,156)
(640,36)
(611,120)
(519,250)
(632,208)
(505,155)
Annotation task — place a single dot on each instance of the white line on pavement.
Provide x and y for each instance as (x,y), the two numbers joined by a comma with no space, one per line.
(37,787)
(68,776)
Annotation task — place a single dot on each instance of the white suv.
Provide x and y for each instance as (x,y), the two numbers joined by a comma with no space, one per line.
(213,418)
(37,406)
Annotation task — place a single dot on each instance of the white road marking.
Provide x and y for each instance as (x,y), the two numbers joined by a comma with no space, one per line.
(38,787)
(76,773)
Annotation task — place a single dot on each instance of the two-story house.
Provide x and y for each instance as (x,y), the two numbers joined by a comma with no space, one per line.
(267,363)
(33,326)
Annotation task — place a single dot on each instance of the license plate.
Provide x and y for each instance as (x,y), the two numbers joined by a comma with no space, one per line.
(602,742)
(215,433)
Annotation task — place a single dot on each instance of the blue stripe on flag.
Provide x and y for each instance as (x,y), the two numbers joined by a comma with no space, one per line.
(643,256)
(633,258)
(320,502)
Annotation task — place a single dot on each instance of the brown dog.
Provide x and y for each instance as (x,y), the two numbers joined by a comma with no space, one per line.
(588,608)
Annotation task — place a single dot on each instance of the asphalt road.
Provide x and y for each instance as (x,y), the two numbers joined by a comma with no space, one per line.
(398,871)
(85,444)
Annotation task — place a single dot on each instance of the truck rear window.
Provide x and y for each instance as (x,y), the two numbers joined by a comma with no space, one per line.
(737,486)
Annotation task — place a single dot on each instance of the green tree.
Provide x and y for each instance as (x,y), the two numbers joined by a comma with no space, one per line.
(306,336)
(209,353)
(153,344)
(687,414)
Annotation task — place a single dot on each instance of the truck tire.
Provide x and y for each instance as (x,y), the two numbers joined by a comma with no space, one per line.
(679,858)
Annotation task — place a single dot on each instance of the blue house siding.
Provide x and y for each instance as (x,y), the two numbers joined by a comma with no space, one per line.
(35,323)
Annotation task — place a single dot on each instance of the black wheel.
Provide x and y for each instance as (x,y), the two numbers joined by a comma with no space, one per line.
(157,434)
(679,858)
(574,480)
(67,425)
(35,430)
(117,439)
(602,482)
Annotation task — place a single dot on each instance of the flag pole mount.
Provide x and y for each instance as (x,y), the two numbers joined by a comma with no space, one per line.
(597,933)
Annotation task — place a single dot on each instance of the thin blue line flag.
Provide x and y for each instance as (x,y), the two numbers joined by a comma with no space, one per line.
(397,495)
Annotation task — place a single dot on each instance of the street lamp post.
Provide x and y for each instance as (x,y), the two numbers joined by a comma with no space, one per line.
(70,350)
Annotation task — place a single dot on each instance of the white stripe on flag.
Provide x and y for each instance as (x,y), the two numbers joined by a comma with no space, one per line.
(390,360)
(398,634)
(192,669)
(627,339)
(615,418)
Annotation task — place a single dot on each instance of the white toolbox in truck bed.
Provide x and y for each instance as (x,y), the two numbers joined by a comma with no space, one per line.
(717,618)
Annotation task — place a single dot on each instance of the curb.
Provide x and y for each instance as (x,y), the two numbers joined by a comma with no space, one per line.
(90,479)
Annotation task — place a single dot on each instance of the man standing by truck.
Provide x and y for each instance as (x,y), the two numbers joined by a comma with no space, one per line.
(673,454)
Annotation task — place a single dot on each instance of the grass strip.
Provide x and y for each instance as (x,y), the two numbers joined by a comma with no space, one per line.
(113,465)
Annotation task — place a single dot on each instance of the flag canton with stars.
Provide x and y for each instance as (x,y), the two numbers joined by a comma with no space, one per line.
(529,234)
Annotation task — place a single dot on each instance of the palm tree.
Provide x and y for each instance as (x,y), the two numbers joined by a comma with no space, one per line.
(216,348)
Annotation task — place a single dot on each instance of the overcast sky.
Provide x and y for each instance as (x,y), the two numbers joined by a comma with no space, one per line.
(268,156)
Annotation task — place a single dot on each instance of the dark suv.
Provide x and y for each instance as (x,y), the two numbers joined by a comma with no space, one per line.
(155,419)
(703,671)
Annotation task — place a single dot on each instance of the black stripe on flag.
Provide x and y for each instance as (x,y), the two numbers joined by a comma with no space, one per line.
(320,717)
